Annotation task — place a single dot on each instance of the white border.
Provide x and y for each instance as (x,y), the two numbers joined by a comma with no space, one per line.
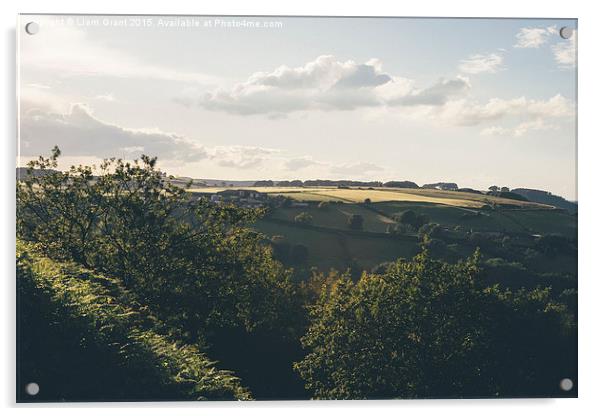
(589,193)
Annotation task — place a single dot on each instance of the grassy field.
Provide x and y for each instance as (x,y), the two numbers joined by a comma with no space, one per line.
(331,243)
(340,250)
(355,195)
(336,216)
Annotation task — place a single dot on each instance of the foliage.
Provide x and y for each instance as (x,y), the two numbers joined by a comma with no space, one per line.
(83,337)
(197,266)
(425,328)
(191,261)
(410,217)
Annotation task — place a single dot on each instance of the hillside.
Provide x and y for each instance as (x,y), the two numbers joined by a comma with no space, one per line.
(545,197)
(89,324)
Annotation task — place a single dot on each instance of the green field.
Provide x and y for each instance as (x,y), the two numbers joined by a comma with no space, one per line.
(355,195)
(332,244)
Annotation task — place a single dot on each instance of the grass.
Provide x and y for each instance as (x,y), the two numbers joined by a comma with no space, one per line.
(104,317)
(336,216)
(326,250)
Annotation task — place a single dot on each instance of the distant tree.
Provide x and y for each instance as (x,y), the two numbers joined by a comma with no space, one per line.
(367,201)
(297,183)
(304,218)
(410,217)
(401,184)
(504,189)
(355,221)
(494,188)
(264,183)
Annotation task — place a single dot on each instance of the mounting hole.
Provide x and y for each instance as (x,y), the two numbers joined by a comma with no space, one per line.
(566,384)
(32,389)
(566,32)
(32,28)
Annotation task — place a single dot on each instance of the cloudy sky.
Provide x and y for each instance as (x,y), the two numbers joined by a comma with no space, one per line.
(477,102)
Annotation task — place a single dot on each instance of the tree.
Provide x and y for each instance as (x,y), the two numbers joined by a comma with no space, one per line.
(355,221)
(304,218)
(494,188)
(505,189)
(410,217)
(425,328)
(367,201)
(193,263)
(264,183)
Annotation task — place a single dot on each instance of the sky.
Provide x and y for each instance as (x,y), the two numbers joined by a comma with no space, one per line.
(478,102)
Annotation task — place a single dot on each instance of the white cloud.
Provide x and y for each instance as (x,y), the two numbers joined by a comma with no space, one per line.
(79,133)
(326,84)
(298,163)
(241,157)
(520,130)
(476,64)
(533,37)
(565,52)
(464,112)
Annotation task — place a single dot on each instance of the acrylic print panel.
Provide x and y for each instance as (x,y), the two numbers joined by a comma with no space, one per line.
(232,208)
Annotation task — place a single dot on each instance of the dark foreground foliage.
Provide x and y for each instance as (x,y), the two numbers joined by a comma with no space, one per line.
(426,328)
(83,337)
